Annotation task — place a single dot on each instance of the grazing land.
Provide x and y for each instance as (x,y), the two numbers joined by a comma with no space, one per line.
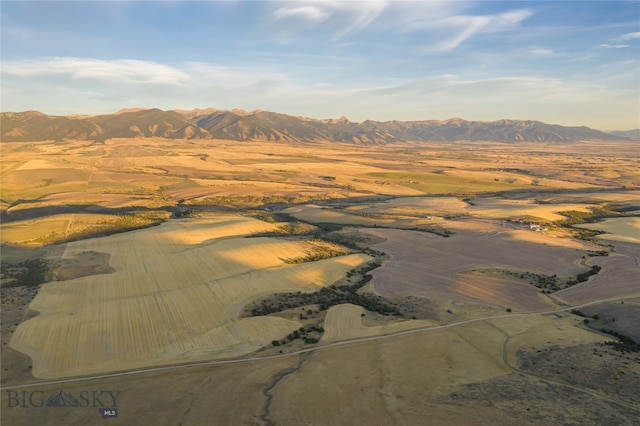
(267,283)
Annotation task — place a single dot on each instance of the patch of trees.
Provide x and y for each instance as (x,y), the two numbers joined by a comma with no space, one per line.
(329,185)
(584,276)
(319,253)
(363,270)
(30,273)
(325,298)
(291,229)
(548,283)
(309,335)
(352,240)
(255,200)
(122,223)
(581,314)
(262,215)
(330,296)
(553,283)
(594,214)
(183,212)
(623,344)
(585,316)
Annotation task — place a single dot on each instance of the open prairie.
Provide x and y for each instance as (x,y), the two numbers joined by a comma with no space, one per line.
(412,280)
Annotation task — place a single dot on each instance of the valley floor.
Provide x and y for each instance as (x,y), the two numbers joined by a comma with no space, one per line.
(265,284)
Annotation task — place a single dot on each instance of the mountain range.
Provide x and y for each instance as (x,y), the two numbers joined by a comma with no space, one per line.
(241,125)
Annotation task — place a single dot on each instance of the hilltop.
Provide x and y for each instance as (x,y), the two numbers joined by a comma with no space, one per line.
(241,125)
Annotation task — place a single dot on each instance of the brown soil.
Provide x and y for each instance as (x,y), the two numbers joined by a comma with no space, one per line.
(81,265)
(16,366)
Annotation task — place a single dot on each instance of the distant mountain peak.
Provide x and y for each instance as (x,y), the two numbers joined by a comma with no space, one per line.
(633,134)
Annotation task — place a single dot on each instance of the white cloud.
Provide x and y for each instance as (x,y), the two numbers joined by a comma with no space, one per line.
(629,36)
(312,14)
(620,42)
(537,52)
(113,71)
(84,85)
(613,46)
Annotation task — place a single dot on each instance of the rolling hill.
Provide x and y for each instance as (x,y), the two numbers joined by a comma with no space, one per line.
(270,126)
(629,134)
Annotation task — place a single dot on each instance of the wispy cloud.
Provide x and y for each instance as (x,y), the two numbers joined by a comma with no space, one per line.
(620,42)
(340,18)
(444,25)
(110,85)
(113,71)
(310,13)
(538,52)
(453,30)
(72,81)
(629,36)
(613,46)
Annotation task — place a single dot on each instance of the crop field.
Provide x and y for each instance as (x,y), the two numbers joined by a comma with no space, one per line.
(31,231)
(344,322)
(618,277)
(626,229)
(156,251)
(175,294)
(444,267)
(492,208)
(506,209)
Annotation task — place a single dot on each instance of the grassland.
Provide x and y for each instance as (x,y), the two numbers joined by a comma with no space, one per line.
(242,225)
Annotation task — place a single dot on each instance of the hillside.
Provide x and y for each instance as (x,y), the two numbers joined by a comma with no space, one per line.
(270,126)
(629,134)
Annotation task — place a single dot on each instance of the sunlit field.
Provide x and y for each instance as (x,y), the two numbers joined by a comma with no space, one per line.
(166,253)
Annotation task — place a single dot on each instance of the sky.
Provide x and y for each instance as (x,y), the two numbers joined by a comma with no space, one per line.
(563,62)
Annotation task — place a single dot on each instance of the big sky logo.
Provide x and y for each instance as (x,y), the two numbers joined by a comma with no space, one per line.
(105,400)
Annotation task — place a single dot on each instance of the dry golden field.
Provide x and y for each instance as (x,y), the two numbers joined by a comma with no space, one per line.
(345,322)
(494,208)
(175,294)
(156,248)
(625,229)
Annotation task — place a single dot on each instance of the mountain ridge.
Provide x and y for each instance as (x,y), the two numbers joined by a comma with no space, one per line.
(240,125)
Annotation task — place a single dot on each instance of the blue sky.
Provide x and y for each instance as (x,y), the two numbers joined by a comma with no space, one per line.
(563,62)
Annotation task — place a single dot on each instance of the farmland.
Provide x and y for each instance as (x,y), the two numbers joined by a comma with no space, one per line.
(176,290)
(408,279)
